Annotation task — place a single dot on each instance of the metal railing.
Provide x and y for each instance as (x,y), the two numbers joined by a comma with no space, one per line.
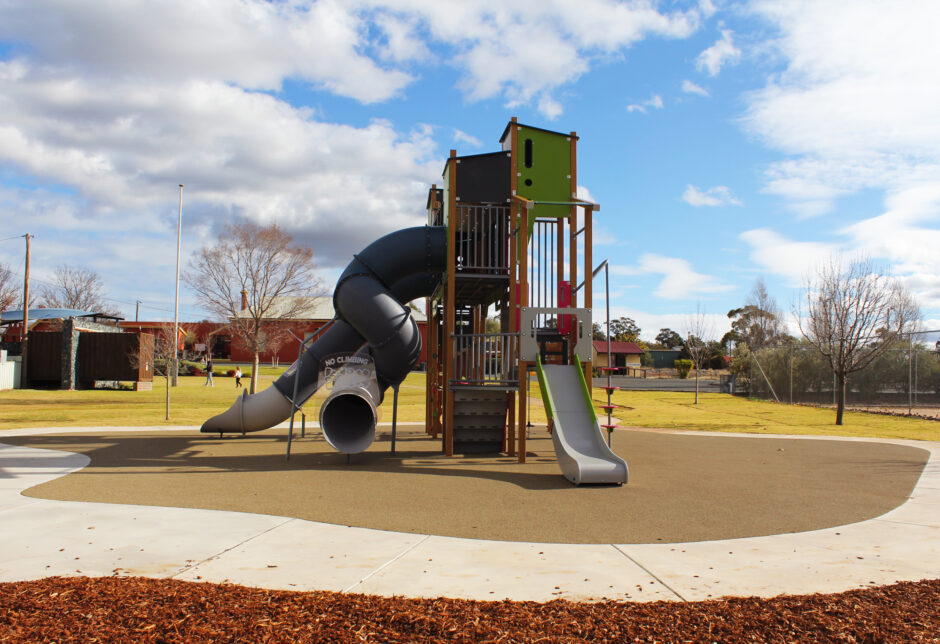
(482,238)
(486,359)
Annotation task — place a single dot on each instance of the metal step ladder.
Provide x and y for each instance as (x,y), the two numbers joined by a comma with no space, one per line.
(479,420)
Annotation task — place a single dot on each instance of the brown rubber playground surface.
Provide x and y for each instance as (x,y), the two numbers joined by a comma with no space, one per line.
(682,487)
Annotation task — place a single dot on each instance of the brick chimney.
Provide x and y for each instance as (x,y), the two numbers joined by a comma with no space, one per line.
(244,300)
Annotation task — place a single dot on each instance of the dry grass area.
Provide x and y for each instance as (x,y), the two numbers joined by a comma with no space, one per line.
(164,610)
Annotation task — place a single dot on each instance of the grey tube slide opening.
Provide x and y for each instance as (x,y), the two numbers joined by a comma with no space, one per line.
(348,419)
(370,303)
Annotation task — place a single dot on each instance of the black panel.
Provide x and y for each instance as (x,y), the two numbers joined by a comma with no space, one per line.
(484,178)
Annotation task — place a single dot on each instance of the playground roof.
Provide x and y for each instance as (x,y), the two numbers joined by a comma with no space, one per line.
(531,127)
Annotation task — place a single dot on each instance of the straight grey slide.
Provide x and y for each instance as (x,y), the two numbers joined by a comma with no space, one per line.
(583,455)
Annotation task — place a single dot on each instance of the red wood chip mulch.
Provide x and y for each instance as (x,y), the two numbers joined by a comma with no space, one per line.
(161,610)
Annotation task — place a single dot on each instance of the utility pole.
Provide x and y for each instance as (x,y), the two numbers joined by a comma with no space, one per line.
(137,311)
(24,340)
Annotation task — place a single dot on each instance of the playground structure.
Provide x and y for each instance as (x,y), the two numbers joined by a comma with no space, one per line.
(504,233)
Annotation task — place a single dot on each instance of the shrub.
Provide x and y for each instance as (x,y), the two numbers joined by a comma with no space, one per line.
(683,367)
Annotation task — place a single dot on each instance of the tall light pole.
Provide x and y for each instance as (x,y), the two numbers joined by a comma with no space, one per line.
(24,339)
(176,307)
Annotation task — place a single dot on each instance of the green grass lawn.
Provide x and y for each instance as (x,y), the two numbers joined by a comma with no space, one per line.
(724,413)
(191,404)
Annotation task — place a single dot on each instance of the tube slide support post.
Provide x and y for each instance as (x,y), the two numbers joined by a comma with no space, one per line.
(293,399)
(394,414)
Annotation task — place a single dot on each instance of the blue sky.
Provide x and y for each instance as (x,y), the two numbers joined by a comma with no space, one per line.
(725,141)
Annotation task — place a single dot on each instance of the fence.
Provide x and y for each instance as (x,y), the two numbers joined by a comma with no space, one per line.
(904,377)
(481,238)
(486,359)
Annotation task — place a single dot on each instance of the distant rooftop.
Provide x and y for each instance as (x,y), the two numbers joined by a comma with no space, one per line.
(13,315)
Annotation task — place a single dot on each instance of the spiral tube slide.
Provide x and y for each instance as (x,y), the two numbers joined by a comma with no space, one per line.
(371,315)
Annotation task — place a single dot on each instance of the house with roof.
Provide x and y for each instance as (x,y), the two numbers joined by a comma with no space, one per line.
(622,354)
(289,319)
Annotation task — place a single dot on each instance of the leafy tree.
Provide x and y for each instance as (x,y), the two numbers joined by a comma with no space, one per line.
(758,322)
(262,263)
(683,367)
(597,332)
(852,313)
(669,339)
(624,330)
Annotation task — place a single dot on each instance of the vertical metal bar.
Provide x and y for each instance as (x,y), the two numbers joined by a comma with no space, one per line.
(910,375)
(394,415)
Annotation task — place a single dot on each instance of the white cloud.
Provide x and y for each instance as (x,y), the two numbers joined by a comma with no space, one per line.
(856,102)
(903,235)
(655,101)
(717,196)
(251,44)
(689,87)
(781,256)
(679,280)
(462,137)
(718,55)
(123,147)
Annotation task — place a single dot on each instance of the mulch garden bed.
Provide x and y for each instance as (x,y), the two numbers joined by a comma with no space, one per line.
(161,610)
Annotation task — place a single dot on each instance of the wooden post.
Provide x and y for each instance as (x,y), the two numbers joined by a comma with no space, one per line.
(450,304)
(514,227)
(523,301)
(523,399)
(573,238)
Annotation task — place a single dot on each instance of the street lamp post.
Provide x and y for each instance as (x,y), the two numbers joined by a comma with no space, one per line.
(176,307)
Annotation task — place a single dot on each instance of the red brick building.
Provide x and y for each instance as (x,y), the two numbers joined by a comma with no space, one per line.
(312,315)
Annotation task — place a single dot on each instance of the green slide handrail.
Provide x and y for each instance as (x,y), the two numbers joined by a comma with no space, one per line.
(546,399)
(585,390)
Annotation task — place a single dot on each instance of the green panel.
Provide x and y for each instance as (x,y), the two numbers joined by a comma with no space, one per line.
(584,388)
(546,399)
(550,173)
(446,194)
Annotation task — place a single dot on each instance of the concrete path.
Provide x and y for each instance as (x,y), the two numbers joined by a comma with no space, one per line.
(42,538)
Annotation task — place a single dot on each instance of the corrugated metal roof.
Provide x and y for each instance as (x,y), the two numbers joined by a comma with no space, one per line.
(49,314)
(311,308)
(617,347)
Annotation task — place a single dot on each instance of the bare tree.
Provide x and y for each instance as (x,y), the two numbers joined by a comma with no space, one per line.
(10,291)
(698,332)
(854,312)
(163,359)
(260,263)
(75,287)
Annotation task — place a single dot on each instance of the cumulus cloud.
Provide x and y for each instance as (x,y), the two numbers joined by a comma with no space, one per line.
(251,44)
(679,280)
(854,108)
(718,55)
(778,255)
(856,102)
(655,102)
(717,196)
